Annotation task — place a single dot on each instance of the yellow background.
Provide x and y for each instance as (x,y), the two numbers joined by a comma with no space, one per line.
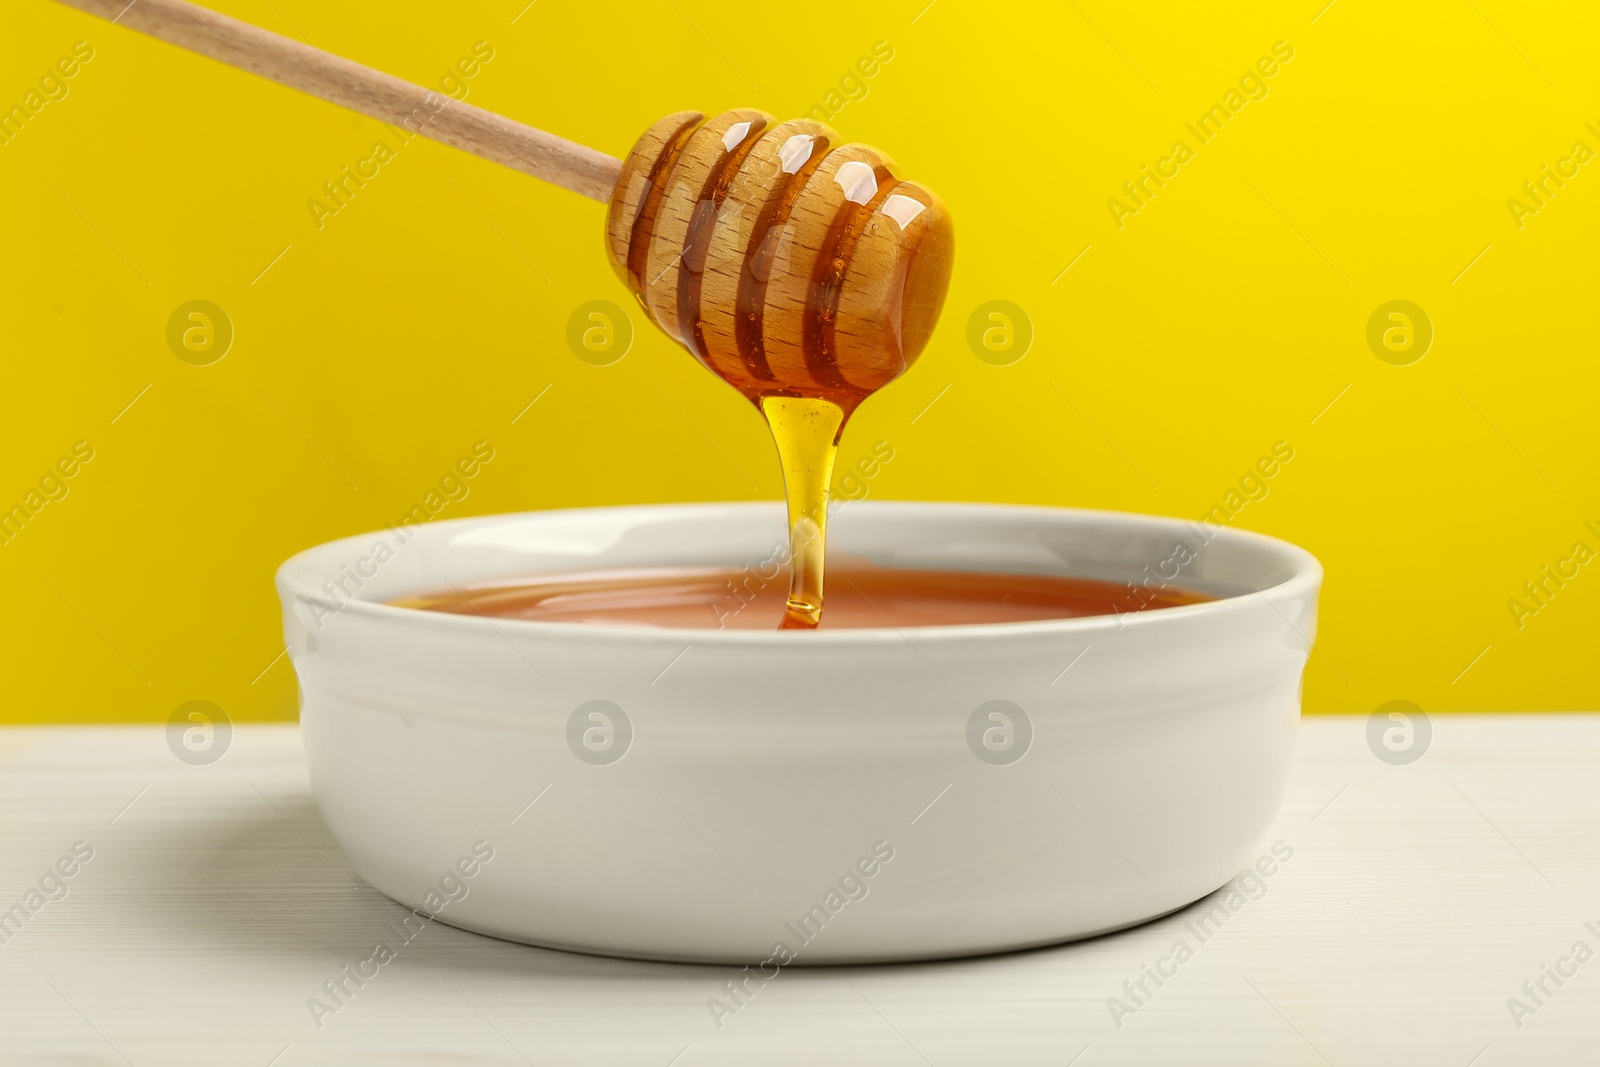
(1222,318)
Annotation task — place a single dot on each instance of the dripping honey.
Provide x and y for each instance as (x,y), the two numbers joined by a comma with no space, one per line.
(799,269)
(861,596)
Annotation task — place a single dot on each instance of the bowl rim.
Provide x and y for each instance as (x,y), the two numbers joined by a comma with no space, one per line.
(1303,580)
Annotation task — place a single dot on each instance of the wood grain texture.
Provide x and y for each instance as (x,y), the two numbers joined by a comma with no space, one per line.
(682,193)
(367,91)
(743,244)
(1414,905)
(788,263)
(637,184)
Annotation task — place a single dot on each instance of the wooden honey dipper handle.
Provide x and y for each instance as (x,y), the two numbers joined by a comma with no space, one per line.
(369,92)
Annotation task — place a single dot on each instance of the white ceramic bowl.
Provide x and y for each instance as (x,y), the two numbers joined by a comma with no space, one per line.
(850,796)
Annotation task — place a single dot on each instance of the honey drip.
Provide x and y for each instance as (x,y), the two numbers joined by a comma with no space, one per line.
(806,432)
(802,271)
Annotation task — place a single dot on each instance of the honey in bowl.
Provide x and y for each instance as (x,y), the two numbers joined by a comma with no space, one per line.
(861,596)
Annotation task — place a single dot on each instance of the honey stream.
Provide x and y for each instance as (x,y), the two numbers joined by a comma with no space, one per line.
(798,268)
(806,431)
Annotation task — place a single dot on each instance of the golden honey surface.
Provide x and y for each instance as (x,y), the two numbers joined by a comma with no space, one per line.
(744,599)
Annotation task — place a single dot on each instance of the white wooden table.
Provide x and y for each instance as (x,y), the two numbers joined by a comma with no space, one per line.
(1418,900)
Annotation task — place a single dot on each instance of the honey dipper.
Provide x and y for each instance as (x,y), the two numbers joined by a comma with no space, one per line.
(799,270)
